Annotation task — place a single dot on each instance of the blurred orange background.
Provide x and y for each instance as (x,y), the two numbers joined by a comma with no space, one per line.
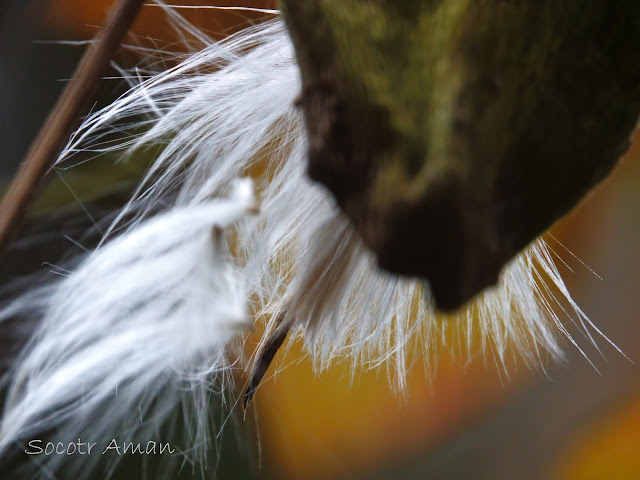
(468,420)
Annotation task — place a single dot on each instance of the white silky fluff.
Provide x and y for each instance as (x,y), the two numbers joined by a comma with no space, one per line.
(145,317)
(225,111)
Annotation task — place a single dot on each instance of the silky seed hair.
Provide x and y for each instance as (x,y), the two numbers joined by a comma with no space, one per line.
(139,327)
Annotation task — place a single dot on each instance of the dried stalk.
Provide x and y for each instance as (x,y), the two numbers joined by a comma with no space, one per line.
(73,103)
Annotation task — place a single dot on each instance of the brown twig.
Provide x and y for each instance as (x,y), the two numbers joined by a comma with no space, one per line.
(265,357)
(74,102)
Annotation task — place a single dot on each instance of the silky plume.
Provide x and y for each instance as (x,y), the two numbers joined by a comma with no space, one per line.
(143,323)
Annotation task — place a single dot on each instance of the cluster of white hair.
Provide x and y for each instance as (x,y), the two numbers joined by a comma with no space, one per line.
(154,308)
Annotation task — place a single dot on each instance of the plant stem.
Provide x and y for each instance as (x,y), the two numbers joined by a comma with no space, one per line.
(74,102)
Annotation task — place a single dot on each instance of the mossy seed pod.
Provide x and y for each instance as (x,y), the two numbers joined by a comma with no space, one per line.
(454,132)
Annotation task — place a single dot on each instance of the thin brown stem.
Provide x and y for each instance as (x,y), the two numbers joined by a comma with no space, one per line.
(74,102)
(265,358)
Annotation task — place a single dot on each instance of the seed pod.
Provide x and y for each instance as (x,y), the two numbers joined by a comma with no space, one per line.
(454,132)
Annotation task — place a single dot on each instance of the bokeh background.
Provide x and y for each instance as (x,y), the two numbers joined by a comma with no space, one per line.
(468,420)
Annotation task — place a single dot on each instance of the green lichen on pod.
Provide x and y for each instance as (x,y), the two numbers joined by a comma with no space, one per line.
(454,132)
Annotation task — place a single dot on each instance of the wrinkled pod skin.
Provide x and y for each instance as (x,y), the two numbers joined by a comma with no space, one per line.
(454,132)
